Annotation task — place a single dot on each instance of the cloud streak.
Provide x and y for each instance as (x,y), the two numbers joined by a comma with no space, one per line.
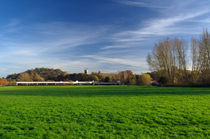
(46,45)
(50,37)
(158,27)
(128,61)
(141,4)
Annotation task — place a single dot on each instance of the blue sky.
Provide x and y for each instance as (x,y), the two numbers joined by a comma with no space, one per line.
(105,35)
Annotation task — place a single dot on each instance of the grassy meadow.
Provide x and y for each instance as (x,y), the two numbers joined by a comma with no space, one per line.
(104,112)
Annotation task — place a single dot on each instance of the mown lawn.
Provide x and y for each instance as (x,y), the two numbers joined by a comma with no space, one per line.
(104,112)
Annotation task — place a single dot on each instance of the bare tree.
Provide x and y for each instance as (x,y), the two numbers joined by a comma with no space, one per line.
(180,58)
(167,57)
(204,57)
(194,55)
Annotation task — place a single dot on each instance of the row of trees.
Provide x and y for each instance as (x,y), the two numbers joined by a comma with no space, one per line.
(44,74)
(172,63)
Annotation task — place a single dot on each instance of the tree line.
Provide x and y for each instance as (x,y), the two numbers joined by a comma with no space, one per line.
(174,62)
(46,74)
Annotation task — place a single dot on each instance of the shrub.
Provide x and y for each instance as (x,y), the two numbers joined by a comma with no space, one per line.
(144,79)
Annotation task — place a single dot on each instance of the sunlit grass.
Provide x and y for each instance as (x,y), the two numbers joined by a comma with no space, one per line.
(104,112)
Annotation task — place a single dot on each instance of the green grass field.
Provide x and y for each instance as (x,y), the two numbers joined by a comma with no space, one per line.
(104,112)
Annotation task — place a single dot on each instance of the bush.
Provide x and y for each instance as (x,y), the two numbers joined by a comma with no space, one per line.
(107,79)
(144,79)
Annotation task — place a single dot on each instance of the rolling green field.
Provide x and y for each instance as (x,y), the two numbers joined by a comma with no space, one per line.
(104,112)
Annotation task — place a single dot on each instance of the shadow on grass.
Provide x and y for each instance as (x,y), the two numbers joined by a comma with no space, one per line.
(91,91)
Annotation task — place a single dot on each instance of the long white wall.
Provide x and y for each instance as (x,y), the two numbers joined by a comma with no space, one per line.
(55,83)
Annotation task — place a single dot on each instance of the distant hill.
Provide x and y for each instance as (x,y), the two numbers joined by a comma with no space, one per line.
(37,74)
(48,74)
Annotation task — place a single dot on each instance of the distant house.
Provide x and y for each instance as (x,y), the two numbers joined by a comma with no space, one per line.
(155,83)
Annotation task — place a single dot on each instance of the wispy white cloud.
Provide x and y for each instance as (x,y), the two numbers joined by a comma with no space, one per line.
(52,37)
(115,47)
(121,45)
(124,61)
(141,4)
(158,27)
(39,45)
(169,22)
(153,29)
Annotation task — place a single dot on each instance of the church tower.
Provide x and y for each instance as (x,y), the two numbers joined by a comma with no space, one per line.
(86,71)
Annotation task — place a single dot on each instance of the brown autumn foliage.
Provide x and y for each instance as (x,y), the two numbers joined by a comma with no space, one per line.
(3,82)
